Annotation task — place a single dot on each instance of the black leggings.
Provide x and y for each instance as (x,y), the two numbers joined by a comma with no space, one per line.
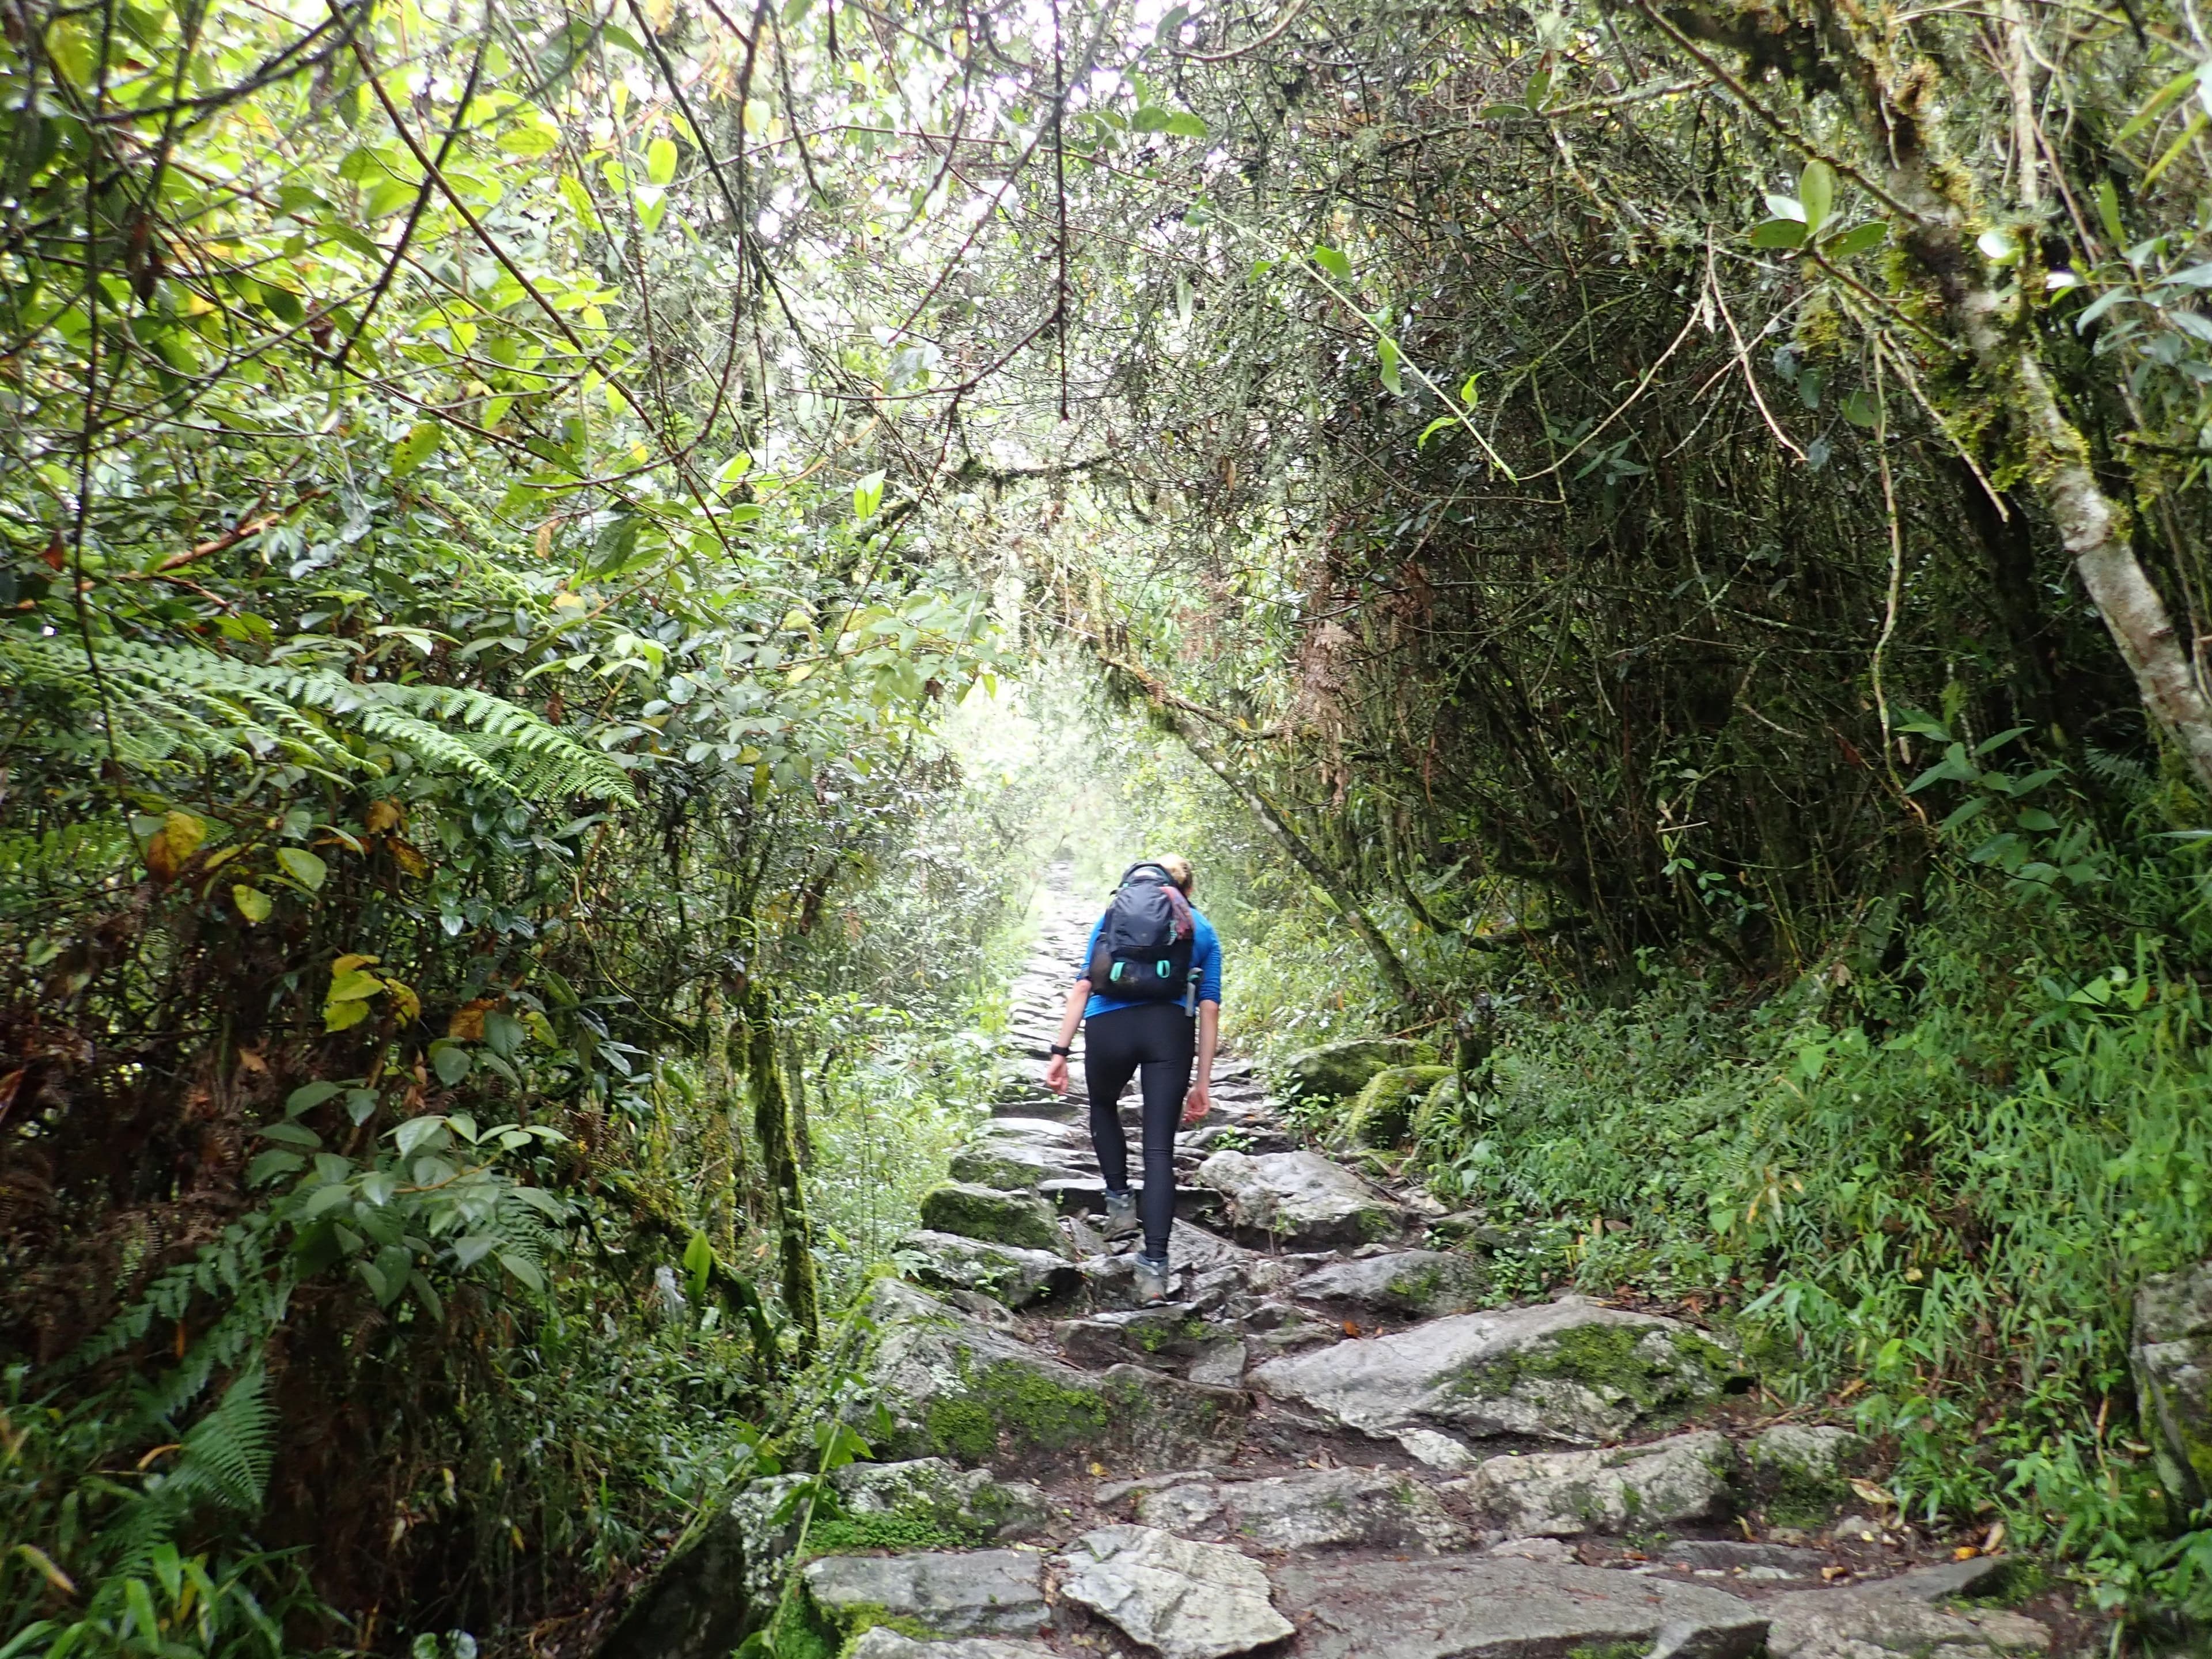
(1157,1039)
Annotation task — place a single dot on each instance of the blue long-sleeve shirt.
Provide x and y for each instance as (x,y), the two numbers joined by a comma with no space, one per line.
(1204,956)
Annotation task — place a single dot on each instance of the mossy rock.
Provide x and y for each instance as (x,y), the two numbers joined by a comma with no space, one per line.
(1800,1474)
(986,1212)
(980,1167)
(958,1388)
(1655,1376)
(1381,1114)
(1338,1071)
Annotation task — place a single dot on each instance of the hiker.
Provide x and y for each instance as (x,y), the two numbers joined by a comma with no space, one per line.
(1148,994)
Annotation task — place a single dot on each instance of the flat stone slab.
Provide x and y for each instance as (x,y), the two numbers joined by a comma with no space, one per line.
(1316,1509)
(884,1642)
(1006,1273)
(1664,1483)
(1299,1198)
(1160,1334)
(1419,1284)
(941,1592)
(1739,1555)
(1889,1619)
(1187,1600)
(1568,1369)
(957,1388)
(1501,1609)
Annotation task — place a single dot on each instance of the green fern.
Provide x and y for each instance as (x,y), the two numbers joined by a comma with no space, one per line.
(184,704)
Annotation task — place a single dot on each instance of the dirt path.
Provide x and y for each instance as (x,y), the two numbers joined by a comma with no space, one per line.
(1328,1444)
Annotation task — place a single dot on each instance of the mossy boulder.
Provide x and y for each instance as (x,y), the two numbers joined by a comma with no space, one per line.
(986,1212)
(2172,1363)
(1800,1474)
(1006,1273)
(1570,1370)
(1338,1071)
(954,1386)
(1381,1113)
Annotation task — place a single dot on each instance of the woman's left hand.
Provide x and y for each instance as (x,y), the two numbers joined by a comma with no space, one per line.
(1198,1103)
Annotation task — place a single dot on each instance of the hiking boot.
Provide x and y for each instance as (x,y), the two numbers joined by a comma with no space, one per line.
(1149,1284)
(1120,1215)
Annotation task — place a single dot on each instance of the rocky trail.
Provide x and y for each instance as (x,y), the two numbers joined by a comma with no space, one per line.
(1326,1445)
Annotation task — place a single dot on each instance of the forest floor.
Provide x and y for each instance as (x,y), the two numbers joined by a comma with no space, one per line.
(1328,1443)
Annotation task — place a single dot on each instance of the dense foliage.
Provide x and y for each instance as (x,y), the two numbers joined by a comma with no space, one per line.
(1688,518)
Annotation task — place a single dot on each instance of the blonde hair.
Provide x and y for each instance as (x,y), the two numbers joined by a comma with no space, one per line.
(1178,869)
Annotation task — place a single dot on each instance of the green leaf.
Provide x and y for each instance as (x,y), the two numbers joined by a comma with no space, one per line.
(1388,349)
(1858,409)
(355,985)
(291,1134)
(253,903)
(2108,211)
(1183,125)
(524,1269)
(1816,190)
(415,1131)
(450,1060)
(1433,428)
(303,866)
(2150,111)
(1777,233)
(1150,118)
(412,451)
(308,1096)
(868,496)
(1333,263)
(661,161)
(1859,238)
(342,1016)
(698,1258)
(271,1164)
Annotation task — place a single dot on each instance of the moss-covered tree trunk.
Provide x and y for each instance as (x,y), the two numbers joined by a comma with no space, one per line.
(773,1128)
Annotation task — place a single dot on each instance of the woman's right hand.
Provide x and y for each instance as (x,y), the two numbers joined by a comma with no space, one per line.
(1055,1074)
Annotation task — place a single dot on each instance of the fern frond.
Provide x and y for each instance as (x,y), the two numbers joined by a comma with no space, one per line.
(179,702)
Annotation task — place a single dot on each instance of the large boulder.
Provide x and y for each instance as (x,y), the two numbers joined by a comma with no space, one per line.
(955,1387)
(1337,1070)
(1500,1607)
(1419,1284)
(1664,1483)
(1314,1508)
(935,1593)
(1568,1369)
(1381,1114)
(1006,1273)
(971,1211)
(1183,1599)
(1299,1200)
(2172,1363)
(699,1605)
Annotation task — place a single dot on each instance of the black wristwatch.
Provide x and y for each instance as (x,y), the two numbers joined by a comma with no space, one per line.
(1058,1051)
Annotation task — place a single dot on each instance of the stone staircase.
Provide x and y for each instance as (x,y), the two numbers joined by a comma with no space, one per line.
(1327,1445)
